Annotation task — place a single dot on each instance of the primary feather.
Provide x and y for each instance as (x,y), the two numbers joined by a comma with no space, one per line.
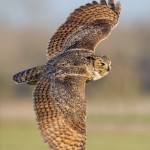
(85,17)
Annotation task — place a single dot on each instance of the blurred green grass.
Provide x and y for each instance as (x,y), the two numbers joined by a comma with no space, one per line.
(115,141)
(124,119)
(105,132)
(20,135)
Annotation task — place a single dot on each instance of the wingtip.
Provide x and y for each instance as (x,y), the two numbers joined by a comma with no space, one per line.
(118,4)
(94,2)
(103,2)
(118,8)
(111,4)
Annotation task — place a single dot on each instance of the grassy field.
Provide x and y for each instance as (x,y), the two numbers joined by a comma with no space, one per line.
(105,132)
(101,135)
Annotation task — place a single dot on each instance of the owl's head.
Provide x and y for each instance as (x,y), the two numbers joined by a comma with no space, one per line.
(102,66)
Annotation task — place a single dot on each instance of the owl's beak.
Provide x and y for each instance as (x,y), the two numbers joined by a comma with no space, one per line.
(109,67)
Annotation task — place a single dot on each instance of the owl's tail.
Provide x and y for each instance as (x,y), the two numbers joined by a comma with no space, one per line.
(30,76)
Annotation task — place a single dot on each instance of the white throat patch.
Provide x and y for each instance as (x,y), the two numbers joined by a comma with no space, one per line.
(96,75)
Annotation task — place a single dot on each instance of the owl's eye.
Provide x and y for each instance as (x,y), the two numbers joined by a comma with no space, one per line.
(102,64)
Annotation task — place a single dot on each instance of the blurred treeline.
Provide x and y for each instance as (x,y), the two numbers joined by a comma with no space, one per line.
(128,47)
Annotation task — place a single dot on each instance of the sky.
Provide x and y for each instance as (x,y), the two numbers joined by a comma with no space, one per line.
(18,13)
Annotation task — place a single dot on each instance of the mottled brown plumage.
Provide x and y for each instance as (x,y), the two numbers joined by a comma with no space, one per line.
(61,122)
(85,17)
(59,96)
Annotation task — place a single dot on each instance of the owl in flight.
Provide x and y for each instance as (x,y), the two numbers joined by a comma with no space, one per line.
(59,96)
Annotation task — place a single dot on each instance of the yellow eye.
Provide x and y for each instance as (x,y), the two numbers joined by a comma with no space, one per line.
(102,64)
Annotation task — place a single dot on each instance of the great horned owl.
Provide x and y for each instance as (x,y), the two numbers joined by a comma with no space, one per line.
(59,96)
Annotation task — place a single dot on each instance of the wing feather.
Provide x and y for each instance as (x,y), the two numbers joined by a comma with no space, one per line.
(85,16)
(61,110)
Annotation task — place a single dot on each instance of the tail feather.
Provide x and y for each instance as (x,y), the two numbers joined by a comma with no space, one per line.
(29,76)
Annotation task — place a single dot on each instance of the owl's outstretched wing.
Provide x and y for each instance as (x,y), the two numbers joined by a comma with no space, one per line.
(85,27)
(60,107)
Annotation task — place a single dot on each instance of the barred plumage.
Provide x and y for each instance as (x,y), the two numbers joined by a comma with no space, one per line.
(79,18)
(29,75)
(59,96)
(57,124)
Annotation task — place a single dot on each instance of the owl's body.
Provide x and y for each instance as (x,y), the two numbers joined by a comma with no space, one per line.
(59,96)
